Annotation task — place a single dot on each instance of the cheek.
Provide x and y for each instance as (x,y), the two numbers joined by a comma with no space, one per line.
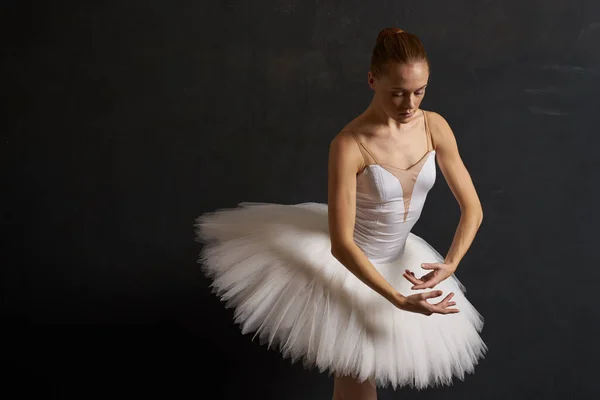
(417,100)
(396,101)
(388,101)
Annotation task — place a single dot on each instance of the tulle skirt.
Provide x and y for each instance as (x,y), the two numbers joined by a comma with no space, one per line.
(273,264)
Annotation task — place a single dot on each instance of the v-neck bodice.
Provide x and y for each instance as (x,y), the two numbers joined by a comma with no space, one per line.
(389,202)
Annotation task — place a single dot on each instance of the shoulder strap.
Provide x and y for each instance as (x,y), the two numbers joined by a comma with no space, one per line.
(364,151)
(430,145)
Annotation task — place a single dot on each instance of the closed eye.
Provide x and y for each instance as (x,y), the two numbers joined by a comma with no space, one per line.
(400,94)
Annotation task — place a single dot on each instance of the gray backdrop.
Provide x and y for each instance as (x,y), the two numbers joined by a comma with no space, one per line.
(127,119)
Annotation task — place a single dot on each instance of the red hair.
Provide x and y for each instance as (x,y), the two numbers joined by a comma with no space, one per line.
(396,45)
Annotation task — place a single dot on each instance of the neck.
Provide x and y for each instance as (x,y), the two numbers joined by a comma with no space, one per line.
(376,114)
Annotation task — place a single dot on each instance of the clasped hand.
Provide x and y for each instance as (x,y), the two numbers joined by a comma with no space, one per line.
(439,272)
(418,302)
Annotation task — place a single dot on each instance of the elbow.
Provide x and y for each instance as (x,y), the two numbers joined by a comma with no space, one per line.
(336,251)
(479,217)
(474,213)
(340,251)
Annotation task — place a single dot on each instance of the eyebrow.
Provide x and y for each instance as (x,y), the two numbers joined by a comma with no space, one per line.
(401,88)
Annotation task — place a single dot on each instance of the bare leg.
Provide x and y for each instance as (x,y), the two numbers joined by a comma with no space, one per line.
(348,388)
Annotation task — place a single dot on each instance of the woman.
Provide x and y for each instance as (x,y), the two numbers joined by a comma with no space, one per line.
(346,287)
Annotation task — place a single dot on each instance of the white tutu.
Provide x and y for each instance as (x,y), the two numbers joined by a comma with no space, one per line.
(273,263)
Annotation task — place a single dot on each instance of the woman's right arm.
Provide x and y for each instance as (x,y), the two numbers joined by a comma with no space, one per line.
(345,160)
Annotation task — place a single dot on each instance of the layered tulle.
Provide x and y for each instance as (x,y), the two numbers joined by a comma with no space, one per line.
(273,264)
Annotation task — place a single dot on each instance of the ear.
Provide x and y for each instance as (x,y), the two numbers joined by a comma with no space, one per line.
(371,80)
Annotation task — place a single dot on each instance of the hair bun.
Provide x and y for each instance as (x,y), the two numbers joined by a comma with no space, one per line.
(388,32)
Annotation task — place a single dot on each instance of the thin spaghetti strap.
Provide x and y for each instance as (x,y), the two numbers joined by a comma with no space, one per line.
(428,133)
(364,151)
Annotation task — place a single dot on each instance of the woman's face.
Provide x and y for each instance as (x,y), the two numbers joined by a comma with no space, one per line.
(400,90)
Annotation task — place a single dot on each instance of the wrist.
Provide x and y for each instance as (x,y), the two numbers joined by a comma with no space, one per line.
(398,300)
(453,265)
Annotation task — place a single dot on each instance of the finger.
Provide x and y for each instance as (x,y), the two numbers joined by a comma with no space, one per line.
(430,266)
(451,310)
(425,280)
(432,279)
(422,286)
(445,302)
(412,279)
(445,310)
(449,296)
(426,285)
(432,294)
(409,272)
(428,276)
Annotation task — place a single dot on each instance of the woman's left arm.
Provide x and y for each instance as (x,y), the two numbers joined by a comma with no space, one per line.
(461,185)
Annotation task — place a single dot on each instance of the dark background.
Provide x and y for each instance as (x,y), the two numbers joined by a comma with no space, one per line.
(127,119)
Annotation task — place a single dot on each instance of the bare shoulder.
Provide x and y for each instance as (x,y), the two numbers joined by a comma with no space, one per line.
(452,166)
(345,139)
(441,133)
(344,151)
(344,148)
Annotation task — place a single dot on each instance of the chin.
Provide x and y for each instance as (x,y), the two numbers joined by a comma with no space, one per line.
(405,118)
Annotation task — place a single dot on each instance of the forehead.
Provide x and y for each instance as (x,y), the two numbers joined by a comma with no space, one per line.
(406,76)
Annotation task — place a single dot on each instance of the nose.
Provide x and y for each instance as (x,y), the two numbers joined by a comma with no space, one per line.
(410,102)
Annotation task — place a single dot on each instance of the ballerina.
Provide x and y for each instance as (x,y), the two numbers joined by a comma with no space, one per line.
(346,287)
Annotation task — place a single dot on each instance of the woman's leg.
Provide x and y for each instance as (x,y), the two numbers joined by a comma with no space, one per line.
(348,388)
